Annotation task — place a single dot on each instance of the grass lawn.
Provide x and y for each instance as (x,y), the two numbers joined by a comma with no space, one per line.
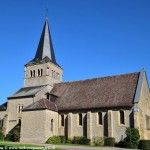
(7,145)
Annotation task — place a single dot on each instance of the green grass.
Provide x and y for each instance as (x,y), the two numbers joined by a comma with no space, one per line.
(7,145)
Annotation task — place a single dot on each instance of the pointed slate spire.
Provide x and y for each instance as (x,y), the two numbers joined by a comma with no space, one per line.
(45,47)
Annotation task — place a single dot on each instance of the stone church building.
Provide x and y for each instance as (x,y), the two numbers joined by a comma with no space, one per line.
(46,106)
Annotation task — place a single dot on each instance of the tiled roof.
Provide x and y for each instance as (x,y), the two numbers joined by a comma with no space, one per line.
(112,91)
(27,91)
(3,107)
(41,104)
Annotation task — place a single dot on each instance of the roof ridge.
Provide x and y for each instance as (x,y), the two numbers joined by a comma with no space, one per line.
(111,76)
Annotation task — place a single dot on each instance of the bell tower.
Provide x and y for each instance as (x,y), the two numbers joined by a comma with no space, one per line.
(43,69)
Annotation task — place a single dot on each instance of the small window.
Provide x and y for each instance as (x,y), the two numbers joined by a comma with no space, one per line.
(19,121)
(19,108)
(31,75)
(47,96)
(47,71)
(52,125)
(41,72)
(80,119)
(122,121)
(100,118)
(38,72)
(62,120)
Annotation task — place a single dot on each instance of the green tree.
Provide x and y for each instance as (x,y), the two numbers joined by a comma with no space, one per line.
(132,139)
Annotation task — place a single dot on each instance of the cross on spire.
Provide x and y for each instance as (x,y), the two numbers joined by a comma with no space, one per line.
(46,13)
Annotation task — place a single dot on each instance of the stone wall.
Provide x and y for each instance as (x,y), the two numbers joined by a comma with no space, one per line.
(47,76)
(143,110)
(110,124)
(13,104)
(36,125)
(13,114)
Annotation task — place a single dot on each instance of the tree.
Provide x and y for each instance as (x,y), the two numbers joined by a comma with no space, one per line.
(132,139)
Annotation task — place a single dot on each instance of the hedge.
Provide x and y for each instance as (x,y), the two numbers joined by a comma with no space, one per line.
(63,139)
(109,141)
(144,144)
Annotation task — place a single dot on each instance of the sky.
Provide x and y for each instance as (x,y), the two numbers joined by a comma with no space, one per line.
(91,38)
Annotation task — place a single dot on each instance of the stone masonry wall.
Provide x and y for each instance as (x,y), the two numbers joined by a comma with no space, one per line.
(36,125)
(144,110)
(46,78)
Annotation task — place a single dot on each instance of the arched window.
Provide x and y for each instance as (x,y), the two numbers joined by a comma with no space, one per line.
(38,72)
(19,121)
(62,120)
(122,119)
(48,96)
(80,119)
(19,108)
(100,118)
(52,125)
(47,71)
(31,73)
(41,72)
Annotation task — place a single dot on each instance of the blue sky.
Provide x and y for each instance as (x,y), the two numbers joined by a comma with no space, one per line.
(91,38)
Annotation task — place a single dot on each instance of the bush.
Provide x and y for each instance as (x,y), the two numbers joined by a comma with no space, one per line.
(109,141)
(144,144)
(63,139)
(54,140)
(98,141)
(1,134)
(9,137)
(70,141)
(80,140)
(132,139)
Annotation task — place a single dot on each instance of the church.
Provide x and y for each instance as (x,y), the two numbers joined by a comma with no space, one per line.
(47,106)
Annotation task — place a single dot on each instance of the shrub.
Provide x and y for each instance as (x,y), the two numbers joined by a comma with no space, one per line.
(144,144)
(54,140)
(119,144)
(98,141)
(63,139)
(70,141)
(132,139)
(109,141)
(80,140)
(1,134)
(9,137)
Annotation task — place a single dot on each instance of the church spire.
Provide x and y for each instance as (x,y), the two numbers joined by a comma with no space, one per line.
(45,47)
